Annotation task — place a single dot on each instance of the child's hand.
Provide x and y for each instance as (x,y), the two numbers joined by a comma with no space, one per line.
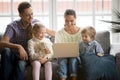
(100,54)
(43,60)
(47,51)
(39,58)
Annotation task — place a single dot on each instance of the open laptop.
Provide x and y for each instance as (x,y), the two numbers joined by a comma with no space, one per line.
(64,50)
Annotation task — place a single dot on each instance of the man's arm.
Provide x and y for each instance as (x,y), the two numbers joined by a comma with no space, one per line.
(50,32)
(5,43)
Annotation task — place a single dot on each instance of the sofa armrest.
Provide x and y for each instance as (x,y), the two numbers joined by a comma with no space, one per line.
(115,49)
(117,59)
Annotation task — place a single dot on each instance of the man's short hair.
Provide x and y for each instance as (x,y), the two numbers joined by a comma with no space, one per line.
(22,6)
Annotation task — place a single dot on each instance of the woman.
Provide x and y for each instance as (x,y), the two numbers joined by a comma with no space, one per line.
(70,33)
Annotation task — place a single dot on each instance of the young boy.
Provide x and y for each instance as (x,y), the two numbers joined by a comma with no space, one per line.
(95,65)
(89,44)
(40,50)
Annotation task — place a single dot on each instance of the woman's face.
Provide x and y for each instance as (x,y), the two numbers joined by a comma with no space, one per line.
(70,21)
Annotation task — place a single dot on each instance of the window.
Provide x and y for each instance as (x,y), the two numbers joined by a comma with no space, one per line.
(50,12)
(9,12)
(89,12)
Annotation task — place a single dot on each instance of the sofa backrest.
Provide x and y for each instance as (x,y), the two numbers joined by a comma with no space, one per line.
(103,37)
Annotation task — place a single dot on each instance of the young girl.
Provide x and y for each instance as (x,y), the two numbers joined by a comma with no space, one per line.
(40,50)
(89,44)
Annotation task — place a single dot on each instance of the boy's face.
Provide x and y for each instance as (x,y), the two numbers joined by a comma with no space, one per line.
(86,38)
(40,34)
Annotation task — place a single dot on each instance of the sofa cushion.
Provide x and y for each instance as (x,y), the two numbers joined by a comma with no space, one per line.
(103,37)
(28,72)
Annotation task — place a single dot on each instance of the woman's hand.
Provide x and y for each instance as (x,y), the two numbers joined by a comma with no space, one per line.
(72,29)
(70,26)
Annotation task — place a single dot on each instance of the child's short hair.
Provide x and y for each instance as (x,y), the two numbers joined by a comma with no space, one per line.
(37,26)
(90,31)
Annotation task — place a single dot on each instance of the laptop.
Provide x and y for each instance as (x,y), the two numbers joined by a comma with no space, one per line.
(65,50)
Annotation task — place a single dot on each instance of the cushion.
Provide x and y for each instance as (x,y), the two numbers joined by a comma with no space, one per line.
(103,37)
(118,62)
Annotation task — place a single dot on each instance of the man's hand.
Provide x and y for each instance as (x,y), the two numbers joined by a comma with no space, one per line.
(6,43)
(22,52)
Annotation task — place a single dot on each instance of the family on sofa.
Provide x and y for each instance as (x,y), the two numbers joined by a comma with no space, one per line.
(27,35)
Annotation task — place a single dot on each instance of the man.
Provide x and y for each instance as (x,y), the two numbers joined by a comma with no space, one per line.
(15,56)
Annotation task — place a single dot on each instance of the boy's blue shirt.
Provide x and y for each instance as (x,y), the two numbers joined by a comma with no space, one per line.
(92,47)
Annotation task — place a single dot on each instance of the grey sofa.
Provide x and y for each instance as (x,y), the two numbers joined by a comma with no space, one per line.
(102,37)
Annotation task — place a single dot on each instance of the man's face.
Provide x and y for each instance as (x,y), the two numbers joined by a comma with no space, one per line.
(27,15)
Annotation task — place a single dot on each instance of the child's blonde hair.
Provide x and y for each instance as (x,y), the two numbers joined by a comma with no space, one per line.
(90,31)
(37,26)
